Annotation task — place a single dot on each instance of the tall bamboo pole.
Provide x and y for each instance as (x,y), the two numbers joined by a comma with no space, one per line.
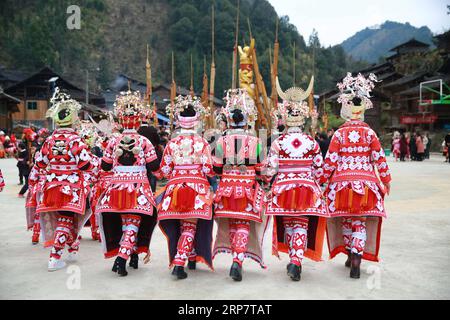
(148,74)
(191,88)
(173,91)
(311,96)
(213,74)
(260,88)
(233,77)
(148,78)
(155,111)
(205,85)
(293,65)
(274,69)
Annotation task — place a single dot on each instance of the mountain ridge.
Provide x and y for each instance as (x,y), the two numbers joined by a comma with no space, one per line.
(371,44)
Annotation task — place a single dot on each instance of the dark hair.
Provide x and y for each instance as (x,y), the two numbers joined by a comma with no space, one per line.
(154,136)
(238,116)
(356,101)
(188,112)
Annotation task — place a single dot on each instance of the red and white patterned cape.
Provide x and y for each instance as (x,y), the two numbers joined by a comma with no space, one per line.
(355,160)
(132,179)
(354,155)
(63,170)
(61,158)
(186,162)
(296,160)
(237,183)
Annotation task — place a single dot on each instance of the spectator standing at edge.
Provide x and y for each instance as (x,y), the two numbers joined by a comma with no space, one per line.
(420,147)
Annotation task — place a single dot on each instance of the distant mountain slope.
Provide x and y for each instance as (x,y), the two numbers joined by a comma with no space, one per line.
(372,43)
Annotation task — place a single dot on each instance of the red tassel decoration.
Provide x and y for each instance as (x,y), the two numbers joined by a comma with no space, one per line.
(122,199)
(55,198)
(183,199)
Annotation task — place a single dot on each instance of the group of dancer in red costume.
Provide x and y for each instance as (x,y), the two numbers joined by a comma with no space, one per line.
(286,191)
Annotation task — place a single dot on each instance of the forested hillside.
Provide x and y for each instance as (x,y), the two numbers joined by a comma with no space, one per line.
(114,35)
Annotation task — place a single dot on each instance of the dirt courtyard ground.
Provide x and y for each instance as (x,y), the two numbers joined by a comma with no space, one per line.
(415,253)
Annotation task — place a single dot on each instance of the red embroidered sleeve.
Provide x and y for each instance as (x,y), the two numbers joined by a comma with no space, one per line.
(317,162)
(149,152)
(2,181)
(166,166)
(34,176)
(108,153)
(82,155)
(41,158)
(379,159)
(270,164)
(207,161)
(331,160)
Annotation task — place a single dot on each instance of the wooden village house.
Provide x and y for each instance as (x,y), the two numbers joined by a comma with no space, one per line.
(396,99)
(31,97)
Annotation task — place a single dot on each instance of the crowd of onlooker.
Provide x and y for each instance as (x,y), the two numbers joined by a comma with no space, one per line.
(414,146)
(324,139)
(22,149)
(446,147)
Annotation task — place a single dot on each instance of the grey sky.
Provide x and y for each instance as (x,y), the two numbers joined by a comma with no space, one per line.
(337,20)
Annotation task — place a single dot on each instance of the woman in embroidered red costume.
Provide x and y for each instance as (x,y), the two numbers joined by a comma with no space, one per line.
(184,213)
(62,202)
(89,135)
(358,178)
(295,200)
(36,181)
(125,211)
(239,198)
(2,181)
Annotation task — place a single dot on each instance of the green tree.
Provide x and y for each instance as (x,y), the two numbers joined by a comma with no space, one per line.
(181,34)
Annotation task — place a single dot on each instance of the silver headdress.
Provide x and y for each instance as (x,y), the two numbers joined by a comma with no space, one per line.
(294,109)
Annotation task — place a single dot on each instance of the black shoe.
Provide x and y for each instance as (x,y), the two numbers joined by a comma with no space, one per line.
(236,272)
(355,266)
(294,271)
(192,265)
(120,266)
(134,260)
(179,272)
(348,263)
